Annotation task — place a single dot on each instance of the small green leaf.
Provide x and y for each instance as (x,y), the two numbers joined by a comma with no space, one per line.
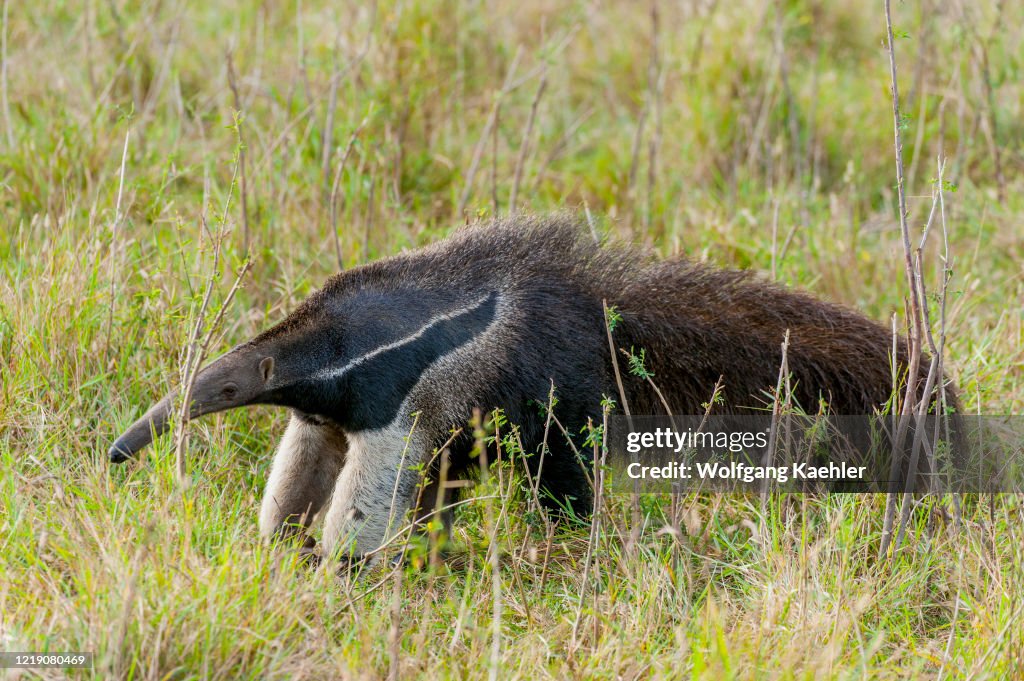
(613,317)
(637,364)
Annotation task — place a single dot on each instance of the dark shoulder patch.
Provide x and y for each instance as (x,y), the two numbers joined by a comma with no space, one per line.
(373,389)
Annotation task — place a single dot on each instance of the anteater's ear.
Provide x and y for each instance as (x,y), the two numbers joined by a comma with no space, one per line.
(267,368)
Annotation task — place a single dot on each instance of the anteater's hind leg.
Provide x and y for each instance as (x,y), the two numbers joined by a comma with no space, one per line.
(308,461)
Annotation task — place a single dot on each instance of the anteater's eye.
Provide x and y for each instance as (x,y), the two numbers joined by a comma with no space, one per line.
(229,391)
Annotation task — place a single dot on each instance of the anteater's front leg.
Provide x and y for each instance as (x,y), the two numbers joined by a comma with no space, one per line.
(308,461)
(374,490)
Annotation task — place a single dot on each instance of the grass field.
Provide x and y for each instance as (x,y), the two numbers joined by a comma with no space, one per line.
(317,135)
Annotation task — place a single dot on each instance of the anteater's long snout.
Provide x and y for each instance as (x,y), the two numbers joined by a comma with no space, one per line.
(236,379)
(141,433)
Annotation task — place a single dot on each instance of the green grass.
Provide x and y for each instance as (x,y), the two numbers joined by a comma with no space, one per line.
(164,581)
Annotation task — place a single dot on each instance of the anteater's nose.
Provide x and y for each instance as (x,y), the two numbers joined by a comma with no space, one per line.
(118,454)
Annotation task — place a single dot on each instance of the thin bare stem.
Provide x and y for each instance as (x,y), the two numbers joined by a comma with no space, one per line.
(328,131)
(398,474)
(233,83)
(787,91)
(494,160)
(935,367)
(779,404)
(197,353)
(337,182)
(914,303)
(113,239)
(634,531)
(600,453)
(196,348)
(524,146)
(478,151)
(395,633)
(3,81)
(654,85)
(615,361)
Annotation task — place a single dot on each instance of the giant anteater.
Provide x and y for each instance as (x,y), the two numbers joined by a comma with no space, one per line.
(380,364)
